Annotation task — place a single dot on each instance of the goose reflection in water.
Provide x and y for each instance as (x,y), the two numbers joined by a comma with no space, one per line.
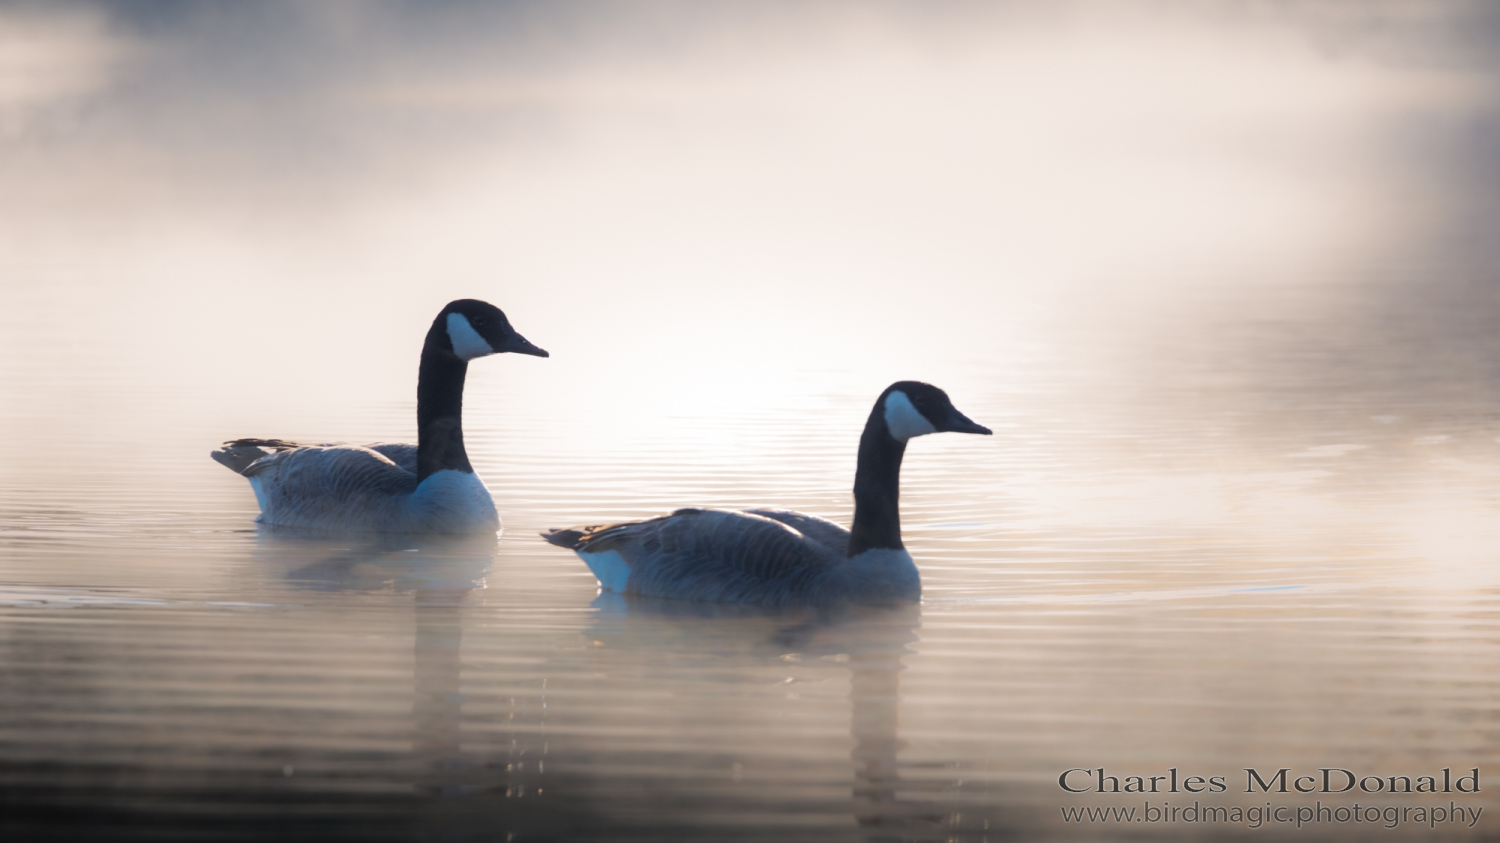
(874,640)
(439,572)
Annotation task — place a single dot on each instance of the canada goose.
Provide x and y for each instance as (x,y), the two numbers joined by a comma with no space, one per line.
(424,488)
(775,557)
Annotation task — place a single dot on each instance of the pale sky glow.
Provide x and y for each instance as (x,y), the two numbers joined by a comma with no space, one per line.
(49,63)
(683,211)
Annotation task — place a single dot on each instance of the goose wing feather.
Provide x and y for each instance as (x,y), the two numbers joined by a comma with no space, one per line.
(398,453)
(710,554)
(820,530)
(324,485)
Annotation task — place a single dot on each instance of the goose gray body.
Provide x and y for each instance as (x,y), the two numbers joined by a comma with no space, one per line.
(385,487)
(362,488)
(762,556)
(777,557)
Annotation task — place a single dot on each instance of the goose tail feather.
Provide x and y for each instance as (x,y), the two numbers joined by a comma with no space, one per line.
(237,454)
(569,538)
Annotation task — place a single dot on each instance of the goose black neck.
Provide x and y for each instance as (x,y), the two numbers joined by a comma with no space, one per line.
(440,410)
(877,488)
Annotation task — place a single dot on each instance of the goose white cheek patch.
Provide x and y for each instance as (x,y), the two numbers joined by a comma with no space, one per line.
(903,420)
(467,343)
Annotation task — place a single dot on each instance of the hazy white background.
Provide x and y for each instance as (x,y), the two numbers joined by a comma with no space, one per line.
(684,201)
(234,219)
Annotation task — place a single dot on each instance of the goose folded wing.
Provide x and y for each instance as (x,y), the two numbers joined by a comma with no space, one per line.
(707,554)
(398,453)
(333,473)
(820,530)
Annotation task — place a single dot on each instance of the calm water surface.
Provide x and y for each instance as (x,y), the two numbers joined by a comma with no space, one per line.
(1238,565)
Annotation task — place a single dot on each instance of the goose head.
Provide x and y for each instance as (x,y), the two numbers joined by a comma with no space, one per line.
(913,408)
(472,328)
